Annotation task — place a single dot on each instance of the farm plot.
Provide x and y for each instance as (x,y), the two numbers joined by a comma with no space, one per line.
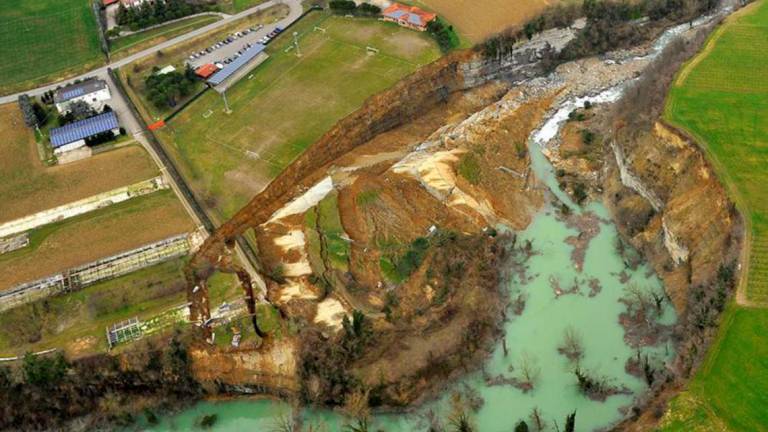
(45,40)
(722,98)
(477,20)
(76,322)
(287,104)
(27,186)
(83,239)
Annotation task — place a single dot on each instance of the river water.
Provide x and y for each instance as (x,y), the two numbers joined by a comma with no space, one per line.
(532,337)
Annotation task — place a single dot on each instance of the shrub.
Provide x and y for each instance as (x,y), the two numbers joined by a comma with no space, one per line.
(44,371)
(469,168)
(444,35)
(342,6)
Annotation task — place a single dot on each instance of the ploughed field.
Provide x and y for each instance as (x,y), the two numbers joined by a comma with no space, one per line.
(721,97)
(477,20)
(27,186)
(44,40)
(93,236)
(287,104)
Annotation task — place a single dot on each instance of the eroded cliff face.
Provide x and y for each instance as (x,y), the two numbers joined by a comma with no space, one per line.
(684,224)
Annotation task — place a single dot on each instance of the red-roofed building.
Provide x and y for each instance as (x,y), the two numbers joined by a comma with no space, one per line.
(206,70)
(109,2)
(408,16)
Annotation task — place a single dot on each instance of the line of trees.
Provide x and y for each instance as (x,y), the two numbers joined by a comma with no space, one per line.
(30,110)
(156,12)
(348,7)
(611,24)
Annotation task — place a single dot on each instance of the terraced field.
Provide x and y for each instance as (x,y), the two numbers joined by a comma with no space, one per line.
(721,97)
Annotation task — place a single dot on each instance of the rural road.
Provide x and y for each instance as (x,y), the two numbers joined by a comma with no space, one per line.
(294,13)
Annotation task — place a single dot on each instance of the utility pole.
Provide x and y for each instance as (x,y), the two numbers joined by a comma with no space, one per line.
(296,43)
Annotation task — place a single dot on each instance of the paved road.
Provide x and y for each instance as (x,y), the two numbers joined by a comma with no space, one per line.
(295,12)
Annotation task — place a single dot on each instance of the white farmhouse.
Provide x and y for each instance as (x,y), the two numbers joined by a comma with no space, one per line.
(94,92)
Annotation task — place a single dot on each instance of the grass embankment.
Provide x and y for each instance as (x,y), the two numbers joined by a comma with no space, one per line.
(288,104)
(46,40)
(76,322)
(95,235)
(721,97)
(127,45)
(28,186)
(136,73)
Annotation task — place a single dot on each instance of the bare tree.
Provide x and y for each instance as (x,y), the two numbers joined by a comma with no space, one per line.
(571,347)
(538,422)
(529,371)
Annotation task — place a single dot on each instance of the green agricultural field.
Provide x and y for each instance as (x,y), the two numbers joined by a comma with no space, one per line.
(136,42)
(721,97)
(44,40)
(287,104)
(730,391)
(76,322)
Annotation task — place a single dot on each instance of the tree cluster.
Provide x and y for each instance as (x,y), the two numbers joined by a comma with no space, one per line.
(28,110)
(443,34)
(151,13)
(165,90)
(46,392)
(324,369)
(613,24)
(348,7)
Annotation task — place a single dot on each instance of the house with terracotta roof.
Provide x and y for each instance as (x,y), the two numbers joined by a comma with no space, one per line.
(408,16)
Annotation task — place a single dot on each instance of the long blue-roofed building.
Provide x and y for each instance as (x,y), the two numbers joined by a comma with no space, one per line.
(74,135)
(233,72)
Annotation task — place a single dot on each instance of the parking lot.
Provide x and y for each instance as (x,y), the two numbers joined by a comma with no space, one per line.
(226,50)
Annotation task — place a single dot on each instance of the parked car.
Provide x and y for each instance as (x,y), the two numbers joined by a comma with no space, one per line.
(219,65)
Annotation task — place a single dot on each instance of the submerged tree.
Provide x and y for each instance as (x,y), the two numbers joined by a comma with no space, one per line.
(570,422)
(537,419)
(571,347)
(529,371)
(522,426)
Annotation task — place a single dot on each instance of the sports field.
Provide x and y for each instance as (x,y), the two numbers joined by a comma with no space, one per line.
(95,235)
(475,20)
(287,104)
(722,98)
(43,40)
(134,75)
(28,186)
